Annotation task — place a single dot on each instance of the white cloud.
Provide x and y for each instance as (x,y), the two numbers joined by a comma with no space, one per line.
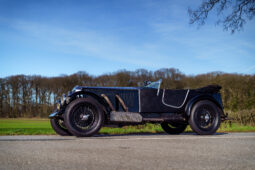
(89,43)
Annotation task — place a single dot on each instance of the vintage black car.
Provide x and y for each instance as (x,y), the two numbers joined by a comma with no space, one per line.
(86,109)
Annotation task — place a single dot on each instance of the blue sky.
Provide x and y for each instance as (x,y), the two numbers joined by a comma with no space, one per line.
(51,38)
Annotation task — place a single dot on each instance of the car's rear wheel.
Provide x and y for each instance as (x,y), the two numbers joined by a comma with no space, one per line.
(205,118)
(84,117)
(58,126)
(173,127)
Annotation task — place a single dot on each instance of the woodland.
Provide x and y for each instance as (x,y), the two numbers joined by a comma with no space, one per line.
(36,96)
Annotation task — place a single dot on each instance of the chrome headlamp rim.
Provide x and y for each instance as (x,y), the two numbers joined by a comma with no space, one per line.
(76,89)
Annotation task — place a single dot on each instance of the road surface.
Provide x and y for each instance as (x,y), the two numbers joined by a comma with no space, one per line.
(185,151)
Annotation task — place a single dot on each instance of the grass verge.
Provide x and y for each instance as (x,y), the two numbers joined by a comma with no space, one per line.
(42,127)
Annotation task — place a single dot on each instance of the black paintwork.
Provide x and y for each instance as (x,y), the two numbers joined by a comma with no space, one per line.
(130,95)
(147,100)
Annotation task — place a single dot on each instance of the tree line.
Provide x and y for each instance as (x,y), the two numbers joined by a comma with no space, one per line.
(36,96)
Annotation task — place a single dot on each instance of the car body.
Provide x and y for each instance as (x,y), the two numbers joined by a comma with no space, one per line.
(120,106)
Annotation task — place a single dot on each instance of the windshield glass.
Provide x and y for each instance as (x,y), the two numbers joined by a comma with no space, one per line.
(155,84)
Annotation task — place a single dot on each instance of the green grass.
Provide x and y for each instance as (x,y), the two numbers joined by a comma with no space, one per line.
(25,127)
(42,127)
(235,127)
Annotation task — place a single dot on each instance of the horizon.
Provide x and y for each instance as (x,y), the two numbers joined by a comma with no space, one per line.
(63,37)
(124,70)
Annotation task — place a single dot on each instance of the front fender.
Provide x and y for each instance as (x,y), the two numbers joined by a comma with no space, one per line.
(89,94)
(92,95)
(55,114)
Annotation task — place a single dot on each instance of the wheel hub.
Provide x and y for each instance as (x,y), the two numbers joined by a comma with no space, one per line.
(84,116)
(207,117)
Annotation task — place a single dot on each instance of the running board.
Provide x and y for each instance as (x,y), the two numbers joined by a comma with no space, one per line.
(126,117)
(163,117)
(133,117)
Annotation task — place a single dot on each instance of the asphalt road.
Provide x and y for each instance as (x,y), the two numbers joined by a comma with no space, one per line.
(186,151)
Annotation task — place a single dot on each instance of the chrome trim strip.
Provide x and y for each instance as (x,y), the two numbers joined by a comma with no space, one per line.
(176,107)
(160,81)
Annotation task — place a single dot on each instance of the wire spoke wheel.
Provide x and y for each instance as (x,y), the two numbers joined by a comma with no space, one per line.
(205,118)
(61,123)
(84,117)
(173,127)
(59,127)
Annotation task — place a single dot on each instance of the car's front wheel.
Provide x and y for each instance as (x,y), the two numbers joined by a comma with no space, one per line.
(173,128)
(84,117)
(205,118)
(59,127)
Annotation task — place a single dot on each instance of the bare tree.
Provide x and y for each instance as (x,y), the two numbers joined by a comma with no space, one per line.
(35,96)
(238,12)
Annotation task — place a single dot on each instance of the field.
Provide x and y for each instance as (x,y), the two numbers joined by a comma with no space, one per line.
(42,127)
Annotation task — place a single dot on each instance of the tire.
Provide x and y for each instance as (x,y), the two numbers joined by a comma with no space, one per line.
(59,127)
(83,117)
(205,118)
(173,128)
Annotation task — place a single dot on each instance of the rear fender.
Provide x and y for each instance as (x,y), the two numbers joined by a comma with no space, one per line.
(215,99)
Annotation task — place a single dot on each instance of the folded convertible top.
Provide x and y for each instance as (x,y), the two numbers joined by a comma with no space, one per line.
(209,89)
